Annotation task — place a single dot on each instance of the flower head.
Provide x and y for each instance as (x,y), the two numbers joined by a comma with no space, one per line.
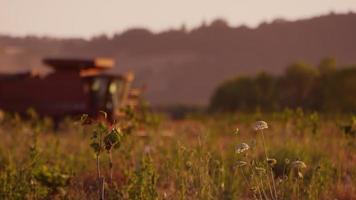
(260,125)
(298,164)
(242,147)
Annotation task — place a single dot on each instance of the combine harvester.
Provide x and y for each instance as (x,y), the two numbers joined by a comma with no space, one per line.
(75,87)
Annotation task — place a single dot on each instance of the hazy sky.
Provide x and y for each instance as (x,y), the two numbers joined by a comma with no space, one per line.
(86,18)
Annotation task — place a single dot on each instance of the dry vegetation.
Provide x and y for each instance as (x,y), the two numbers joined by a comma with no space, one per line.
(200,157)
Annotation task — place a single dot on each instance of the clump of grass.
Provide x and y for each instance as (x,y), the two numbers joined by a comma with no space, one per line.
(142,185)
(107,136)
(259,175)
(104,138)
(31,176)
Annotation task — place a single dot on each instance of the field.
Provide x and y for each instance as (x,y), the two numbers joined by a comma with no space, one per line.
(298,156)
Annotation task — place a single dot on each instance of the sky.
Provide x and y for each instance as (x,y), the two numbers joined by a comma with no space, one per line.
(87,18)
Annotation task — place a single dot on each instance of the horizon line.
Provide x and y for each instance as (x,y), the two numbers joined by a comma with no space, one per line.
(176,28)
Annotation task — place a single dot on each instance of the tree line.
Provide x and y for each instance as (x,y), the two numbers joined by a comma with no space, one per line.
(324,88)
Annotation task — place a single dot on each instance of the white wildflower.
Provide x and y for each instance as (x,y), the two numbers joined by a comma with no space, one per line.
(242,147)
(260,125)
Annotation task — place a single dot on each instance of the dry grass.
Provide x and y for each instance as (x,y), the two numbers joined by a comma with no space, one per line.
(191,159)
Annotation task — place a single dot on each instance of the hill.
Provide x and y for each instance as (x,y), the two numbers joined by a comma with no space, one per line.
(184,67)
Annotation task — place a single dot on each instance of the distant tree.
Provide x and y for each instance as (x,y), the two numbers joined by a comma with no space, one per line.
(183,28)
(246,94)
(297,85)
(324,89)
(267,95)
(279,21)
(100,38)
(219,23)
(203,24)
(345,89)
(322,92)
(339,91)
(327,66)
(136,33)
(235,94)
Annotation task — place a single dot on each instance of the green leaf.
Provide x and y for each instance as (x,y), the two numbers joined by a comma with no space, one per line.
(96,147)
(113,138)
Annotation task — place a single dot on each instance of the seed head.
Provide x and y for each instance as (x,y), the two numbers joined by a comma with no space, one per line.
(236,132)
(271,161)
(298,164)
(260,169)
(260,125)
(188,164)
(286,161)
(279,180)
(254,189)
(241,163)
(300,175)
(242,147)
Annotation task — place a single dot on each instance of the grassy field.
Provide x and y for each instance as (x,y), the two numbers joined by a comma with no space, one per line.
(298,156)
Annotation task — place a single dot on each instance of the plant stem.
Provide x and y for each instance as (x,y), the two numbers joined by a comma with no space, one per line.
(266,161)
(101,180)
(273,184)
(245,178)
(263,190)
(102,189)
(110,166)
(98,166)
(264,145)
(257,185)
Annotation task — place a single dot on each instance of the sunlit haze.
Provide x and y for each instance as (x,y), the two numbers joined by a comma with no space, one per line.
(87,18)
